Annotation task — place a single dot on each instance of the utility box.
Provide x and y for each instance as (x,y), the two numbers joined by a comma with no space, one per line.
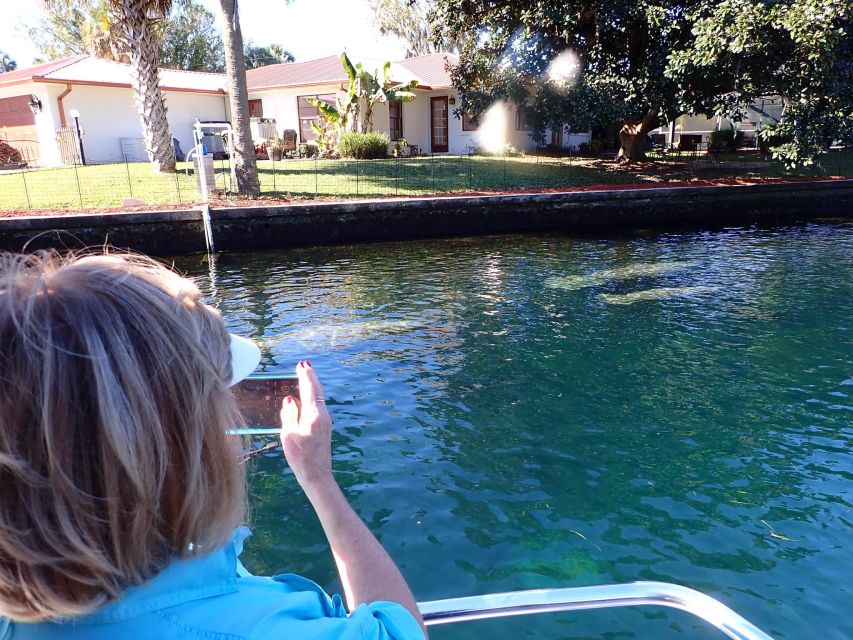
(262,129)
(206,169)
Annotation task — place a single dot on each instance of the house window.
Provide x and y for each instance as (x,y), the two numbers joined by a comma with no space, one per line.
(308,113)
(395,120)
(468,122)
(523,119)
(256,108)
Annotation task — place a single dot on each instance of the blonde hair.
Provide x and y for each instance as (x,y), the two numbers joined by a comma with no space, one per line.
(114,403)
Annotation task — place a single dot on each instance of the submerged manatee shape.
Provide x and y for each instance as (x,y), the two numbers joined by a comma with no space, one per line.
(635,270)
(663,293)
(344,333)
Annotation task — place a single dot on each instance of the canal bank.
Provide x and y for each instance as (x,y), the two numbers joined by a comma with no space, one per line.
(291,225)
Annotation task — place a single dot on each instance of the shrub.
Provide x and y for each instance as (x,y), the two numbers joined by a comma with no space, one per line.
(723,137)
(512,152)
(726,139)
(363,145)
(308,150)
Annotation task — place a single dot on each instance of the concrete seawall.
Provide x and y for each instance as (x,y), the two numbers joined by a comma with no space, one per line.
(172,232)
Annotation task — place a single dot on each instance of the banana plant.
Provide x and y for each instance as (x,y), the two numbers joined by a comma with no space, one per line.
(334,120)
(365,89)
(368,89)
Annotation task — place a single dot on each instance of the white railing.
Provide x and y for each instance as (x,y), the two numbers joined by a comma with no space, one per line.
(497,605)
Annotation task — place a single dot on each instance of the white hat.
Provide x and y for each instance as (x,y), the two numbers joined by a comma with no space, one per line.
(245,358)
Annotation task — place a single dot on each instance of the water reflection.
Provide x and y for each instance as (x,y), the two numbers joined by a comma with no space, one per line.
(501,433)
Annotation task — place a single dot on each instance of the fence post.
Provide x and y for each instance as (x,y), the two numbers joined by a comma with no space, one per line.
(274,190)
(356,175)
(470,166)
(432,168)
(127,169)
(396,176)
(537,182)
(26,190)
(316,188)
(79,192)
(178,185)
(503,177)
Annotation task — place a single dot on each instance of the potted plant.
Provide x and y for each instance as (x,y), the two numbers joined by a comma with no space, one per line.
(400,147)
(275,148)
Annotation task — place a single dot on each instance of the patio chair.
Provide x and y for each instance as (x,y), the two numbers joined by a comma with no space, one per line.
(288,139)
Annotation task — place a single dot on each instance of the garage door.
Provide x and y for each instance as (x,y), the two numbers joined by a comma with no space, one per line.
(15,112)
(18,126)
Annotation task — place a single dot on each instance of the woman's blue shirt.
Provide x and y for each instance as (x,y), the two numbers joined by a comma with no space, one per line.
(213,597)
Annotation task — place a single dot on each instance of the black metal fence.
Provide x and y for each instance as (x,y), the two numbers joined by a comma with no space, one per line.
(108,185)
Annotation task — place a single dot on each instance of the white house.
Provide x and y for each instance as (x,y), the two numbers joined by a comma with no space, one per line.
(38,105)
(697,129)
(281,92)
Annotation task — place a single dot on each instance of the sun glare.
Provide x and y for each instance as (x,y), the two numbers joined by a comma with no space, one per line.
(493,128)
(564,70)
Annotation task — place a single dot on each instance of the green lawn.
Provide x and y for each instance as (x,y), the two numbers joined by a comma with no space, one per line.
(107,185)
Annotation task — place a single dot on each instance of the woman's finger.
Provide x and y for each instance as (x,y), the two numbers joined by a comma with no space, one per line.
(310,389)
(289,414)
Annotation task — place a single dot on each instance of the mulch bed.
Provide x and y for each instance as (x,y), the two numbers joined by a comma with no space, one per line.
(264,201)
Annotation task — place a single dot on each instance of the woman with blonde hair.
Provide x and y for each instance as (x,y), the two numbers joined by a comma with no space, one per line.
(121,495)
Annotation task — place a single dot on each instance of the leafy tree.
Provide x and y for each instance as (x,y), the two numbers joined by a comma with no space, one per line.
(642,64)
(801,50)
(6,62)
(187,39)
(191,40)
(411,21)
(263,56)
(72,27)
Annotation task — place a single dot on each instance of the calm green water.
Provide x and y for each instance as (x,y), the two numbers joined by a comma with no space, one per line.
(510,416)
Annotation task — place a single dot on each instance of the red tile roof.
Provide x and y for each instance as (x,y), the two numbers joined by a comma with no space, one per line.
(431,69)
(85,69)
(320,71)
(39,70)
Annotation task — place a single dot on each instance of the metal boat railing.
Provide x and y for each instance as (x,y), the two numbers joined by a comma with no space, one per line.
(497,605)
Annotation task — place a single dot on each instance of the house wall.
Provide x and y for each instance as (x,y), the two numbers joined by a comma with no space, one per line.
(108,114)
(281,103)
(185,107)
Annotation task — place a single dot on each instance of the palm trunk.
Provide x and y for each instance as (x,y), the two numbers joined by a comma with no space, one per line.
(140,39)
(243,153)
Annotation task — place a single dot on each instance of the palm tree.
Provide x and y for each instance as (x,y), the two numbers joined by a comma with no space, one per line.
(134,21)
(243,153)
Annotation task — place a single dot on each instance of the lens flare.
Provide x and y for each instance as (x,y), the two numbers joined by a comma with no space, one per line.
(564,70)
(493,127)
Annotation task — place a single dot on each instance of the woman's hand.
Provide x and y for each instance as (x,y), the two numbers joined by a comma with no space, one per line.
(306,431)
(367,571)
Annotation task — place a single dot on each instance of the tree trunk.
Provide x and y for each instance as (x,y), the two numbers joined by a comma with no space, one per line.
(139,37)
(368,117)
(632,140)
(243,153)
